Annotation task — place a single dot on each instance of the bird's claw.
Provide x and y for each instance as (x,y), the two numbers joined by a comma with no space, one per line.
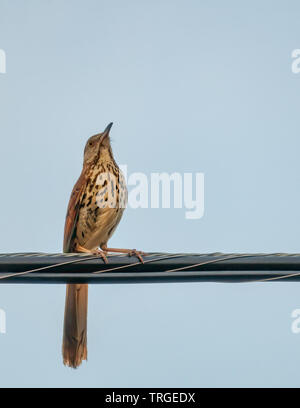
(138,254)
(102,254)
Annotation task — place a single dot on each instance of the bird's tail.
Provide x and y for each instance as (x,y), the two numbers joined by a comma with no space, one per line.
(74,347)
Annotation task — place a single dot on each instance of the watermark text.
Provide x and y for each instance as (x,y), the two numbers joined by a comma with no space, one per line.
(157,190)
(296,61)
(2,321)
(2,62)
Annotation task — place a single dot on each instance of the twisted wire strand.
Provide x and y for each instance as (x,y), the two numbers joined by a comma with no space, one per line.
(139,263)
(85,258)
(234,257)
(209,262)
(275,278)
(49,267)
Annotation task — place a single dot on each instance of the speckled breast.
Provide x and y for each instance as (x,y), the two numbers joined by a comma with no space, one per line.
(102,205)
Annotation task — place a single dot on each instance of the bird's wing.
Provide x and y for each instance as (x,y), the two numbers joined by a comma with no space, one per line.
(73,211)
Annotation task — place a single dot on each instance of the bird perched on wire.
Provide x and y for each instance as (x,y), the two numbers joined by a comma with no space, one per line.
(95,209)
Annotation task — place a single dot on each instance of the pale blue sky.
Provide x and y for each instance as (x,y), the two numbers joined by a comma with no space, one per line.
(191,86)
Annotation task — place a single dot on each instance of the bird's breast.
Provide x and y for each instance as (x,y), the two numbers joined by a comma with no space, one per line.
(102,205)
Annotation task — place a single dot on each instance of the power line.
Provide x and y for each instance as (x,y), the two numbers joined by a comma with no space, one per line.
(157,268)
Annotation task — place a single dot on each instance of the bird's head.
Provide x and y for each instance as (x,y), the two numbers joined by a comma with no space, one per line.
(98,147)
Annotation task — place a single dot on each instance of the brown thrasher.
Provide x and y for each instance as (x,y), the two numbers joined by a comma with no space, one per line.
(95,209)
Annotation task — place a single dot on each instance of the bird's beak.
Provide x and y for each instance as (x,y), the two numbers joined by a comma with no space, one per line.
(105,134)
(107,130)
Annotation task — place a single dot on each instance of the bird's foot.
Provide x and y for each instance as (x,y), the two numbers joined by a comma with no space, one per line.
(102,254)
(138,254)
(130,252)
(79,248)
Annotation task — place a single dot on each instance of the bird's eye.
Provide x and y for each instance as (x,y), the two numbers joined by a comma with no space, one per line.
(91,143)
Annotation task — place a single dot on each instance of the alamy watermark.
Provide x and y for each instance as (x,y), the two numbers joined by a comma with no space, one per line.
(2,321)
(2,62)
(159,190)
(295,326)
(296,61)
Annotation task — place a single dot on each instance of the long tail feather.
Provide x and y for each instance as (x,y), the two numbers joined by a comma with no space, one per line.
(74,347)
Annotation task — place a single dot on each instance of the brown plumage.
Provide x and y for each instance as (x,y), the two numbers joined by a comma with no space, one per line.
(95,209)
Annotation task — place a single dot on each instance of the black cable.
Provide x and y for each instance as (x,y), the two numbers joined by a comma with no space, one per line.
(157,267)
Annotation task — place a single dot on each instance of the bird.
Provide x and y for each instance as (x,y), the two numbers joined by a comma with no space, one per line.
(95,209)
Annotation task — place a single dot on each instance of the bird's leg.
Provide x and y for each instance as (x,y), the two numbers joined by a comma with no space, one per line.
(130,252)
(79,248)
